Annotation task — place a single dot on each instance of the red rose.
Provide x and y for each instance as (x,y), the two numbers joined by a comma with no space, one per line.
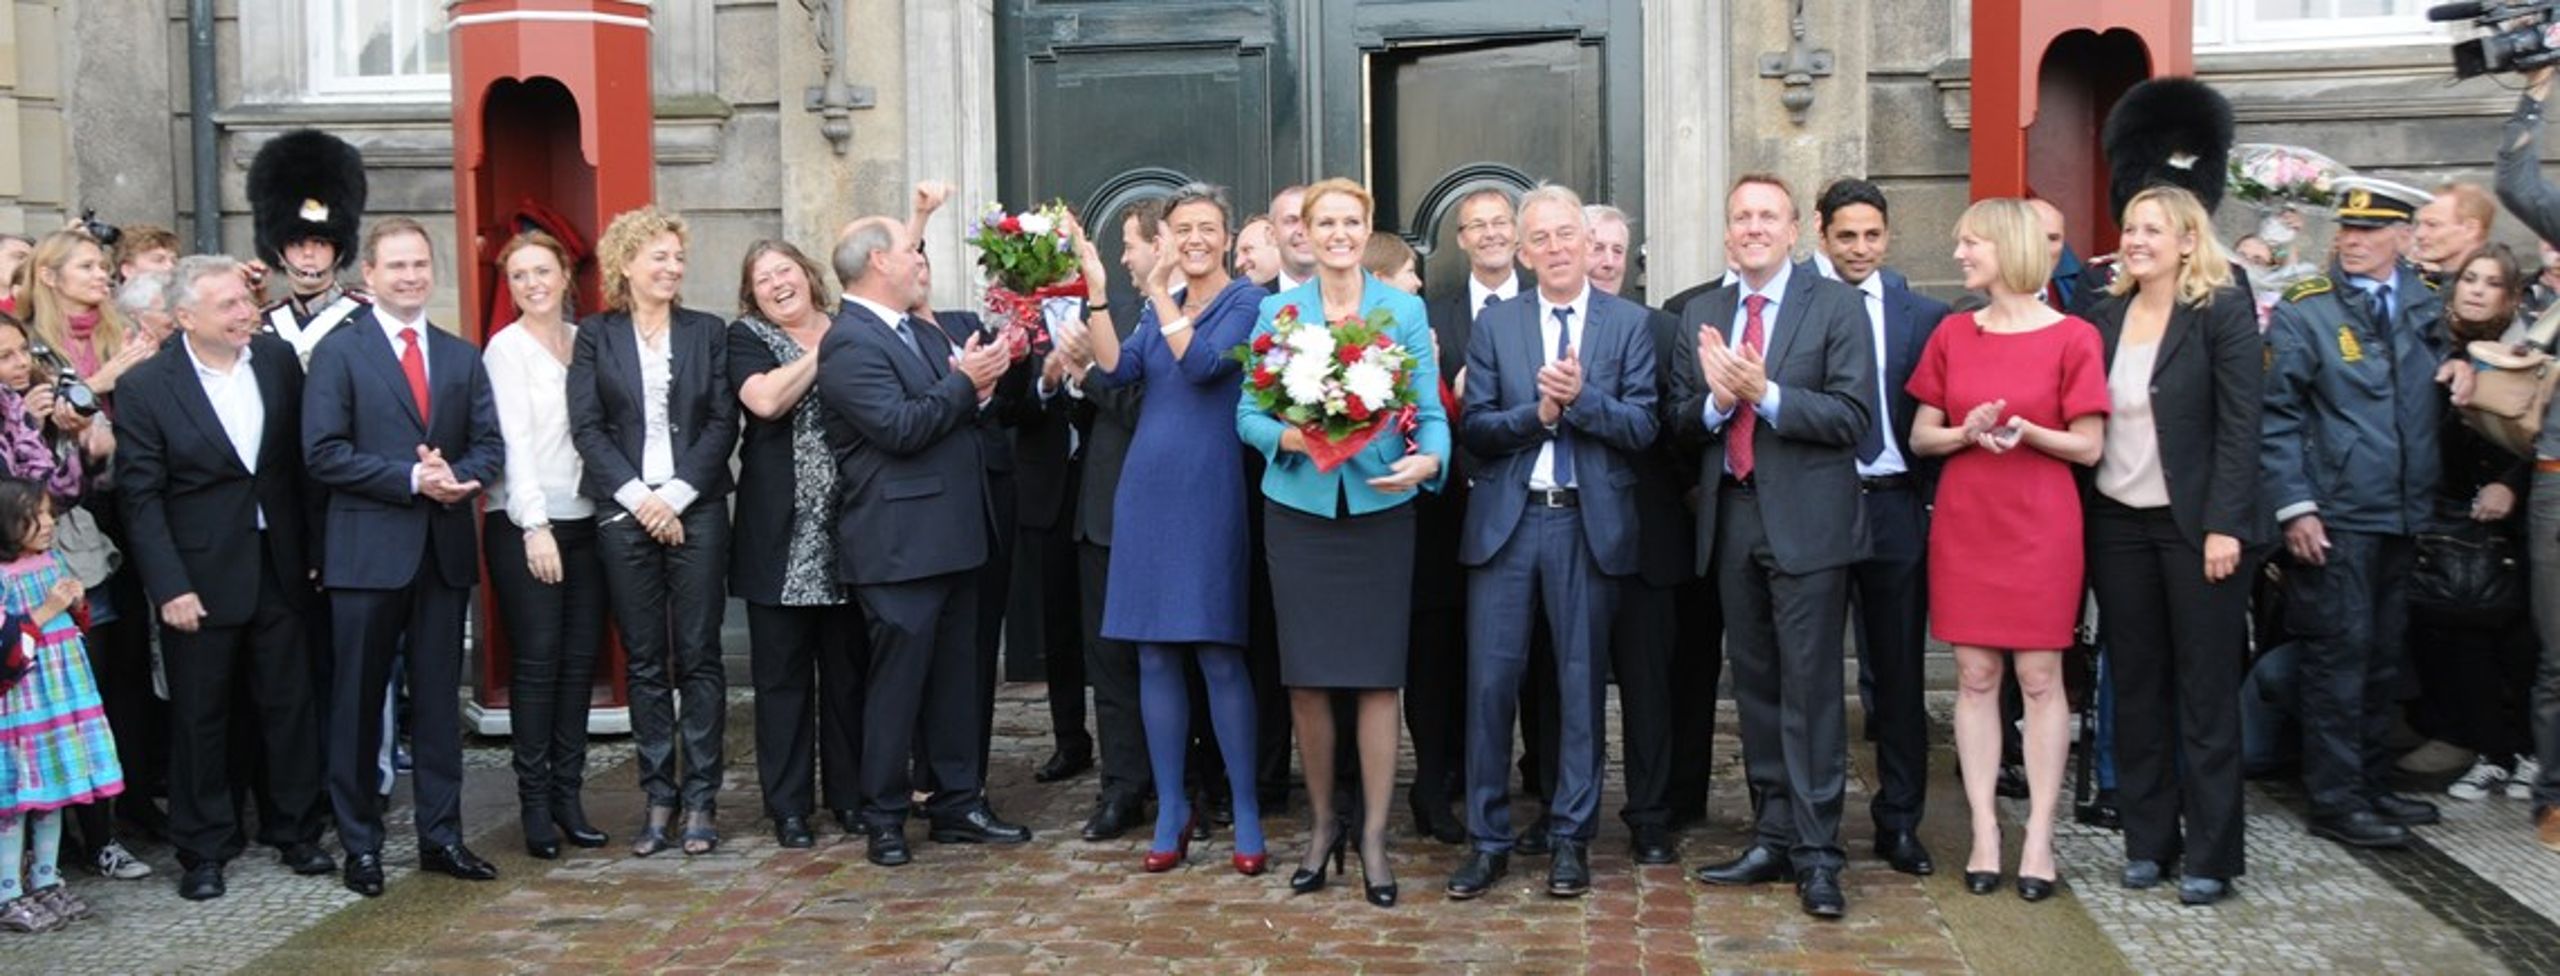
(1348,354)
(1384,342)
(1289,311)
(1263,343)
(1010,225)
(1357,409)
(1263,378)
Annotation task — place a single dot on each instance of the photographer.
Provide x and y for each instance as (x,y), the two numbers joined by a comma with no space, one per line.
(2536,202)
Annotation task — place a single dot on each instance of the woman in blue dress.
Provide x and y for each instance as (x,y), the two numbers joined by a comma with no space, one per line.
(1178,561)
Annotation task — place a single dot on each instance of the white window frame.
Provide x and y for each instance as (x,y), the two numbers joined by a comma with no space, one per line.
(2233,25)
(322,49)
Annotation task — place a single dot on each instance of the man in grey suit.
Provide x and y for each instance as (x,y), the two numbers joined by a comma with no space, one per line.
(1781,392)
(914,524)
(1560,397)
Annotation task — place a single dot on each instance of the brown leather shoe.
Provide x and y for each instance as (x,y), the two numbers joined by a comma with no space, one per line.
(2546,828)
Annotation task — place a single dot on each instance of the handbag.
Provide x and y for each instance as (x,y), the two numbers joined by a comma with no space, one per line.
(87,554)
(2511,386)
(2468,576)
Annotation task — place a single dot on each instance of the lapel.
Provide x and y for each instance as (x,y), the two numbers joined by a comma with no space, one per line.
(283,434)
(199,409)
(373,349)
(2172,337)
(909,368)
(1516,323)
(447,366)
(622,349)
(1791,314)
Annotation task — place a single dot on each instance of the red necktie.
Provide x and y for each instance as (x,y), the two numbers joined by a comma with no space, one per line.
(1737,450)
(414,364)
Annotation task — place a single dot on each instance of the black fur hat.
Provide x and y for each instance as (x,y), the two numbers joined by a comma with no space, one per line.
(305,184)
(2176,131)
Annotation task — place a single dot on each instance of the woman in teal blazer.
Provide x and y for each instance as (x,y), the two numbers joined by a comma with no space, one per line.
(1341,544)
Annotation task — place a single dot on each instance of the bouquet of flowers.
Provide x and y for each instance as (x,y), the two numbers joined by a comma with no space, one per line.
(1340,385)
(1031,267)
(2271,176)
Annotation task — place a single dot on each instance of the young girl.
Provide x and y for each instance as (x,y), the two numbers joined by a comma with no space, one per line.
(55,748)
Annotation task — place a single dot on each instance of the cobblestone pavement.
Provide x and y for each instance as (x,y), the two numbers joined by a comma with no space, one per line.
(2478,898)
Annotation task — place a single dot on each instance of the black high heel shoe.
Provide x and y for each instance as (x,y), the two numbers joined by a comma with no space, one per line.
(1381,895)
(1305,881)
(2036,889)
(540,840)
(571,817)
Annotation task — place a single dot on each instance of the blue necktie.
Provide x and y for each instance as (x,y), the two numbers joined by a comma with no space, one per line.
(1564,434)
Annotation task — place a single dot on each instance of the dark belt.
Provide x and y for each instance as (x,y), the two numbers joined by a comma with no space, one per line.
(1743,485)
(1555,498)
(1890,482)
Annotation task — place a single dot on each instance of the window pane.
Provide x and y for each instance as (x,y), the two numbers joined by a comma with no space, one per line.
(2290,9)
(2366,8)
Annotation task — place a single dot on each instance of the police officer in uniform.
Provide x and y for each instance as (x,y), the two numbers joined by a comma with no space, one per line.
(306,199)
(2349,466)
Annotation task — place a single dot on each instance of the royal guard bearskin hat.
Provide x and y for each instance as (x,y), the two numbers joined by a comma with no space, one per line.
(2175,131)
(306,184)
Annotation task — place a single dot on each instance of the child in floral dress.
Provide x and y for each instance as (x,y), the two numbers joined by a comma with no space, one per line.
(55,748)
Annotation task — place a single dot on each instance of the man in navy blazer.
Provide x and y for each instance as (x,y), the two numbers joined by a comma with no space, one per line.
(1560,397)
(1891,585)
(1781,391)
(913,524)
(398,425)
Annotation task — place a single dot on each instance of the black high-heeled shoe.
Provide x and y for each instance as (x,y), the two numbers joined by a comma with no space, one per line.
(1982,882)
(1381,895)
(541,842)
(2036,889)
(571,817)
(1305,881)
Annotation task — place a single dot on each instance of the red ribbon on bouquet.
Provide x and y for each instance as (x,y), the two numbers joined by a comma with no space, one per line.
(1024,323)
(1329,453)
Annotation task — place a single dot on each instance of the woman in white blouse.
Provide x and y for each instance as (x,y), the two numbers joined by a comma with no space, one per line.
(541,538)
(654,420)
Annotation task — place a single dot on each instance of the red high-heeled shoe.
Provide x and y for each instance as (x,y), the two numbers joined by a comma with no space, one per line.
(1159,862)
(1252,865)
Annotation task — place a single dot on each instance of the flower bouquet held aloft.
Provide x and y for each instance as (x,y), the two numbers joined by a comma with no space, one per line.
(2270,176)
(1340,385)
(1031,267)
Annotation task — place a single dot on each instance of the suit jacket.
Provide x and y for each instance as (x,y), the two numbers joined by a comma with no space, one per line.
(1108,415)
(911,480)
(2208,384)
(608,412)
(1667,551)
(1821,352)
(1910,318)
(191,508)
(1613,420)
(360,439)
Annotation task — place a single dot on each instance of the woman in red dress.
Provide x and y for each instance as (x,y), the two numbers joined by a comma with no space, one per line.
(2012,396)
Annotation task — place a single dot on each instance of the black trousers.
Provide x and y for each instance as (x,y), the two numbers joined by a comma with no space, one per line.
(1783,634)
(2179,647)
(555,632)
(808,664)
(2350,617)
(667,602)
(369,628)
(1891,593)
(1641,646)
(924,664)
(1112,667)
(1044,616)
(1435,710)
(995,580)
(207,670)
(1697,667)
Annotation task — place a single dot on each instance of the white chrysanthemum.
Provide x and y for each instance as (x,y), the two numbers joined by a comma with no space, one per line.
(1372,383)
(1312,342)
(1304,379)
(1036,223)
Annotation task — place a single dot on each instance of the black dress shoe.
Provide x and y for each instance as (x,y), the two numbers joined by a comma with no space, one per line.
(364,874)
(1478,874)
(1064,764)
(1982,882)
(2202,891)
(794,832)
(1758,865)
(1432,818)
(202,882)
(456,861)
(1653,845)
(1534,841)
(574,828)
(1819,892)
(1569,874)
(307,858)
(977,825)
(2140,875)
(2361,829)
(885,846)
(2034,889)
(2102,814)
(2397,809)
(1222,813)
(850,821)
(1112,817)
(1902,851)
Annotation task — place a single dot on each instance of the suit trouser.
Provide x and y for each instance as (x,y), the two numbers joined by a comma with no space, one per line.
(1697,666)
(1112,666)
(555,633)
(807,664)
(924,664)
(1891,590)
(1641,644)
(1043,614)
(1545,563)
(368,629)
(1782,635)
(2351,616)
(2178,646)
(2543,548)
(668,601)
(263,655)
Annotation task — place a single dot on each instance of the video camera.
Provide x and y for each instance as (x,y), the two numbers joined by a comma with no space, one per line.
(2521,36)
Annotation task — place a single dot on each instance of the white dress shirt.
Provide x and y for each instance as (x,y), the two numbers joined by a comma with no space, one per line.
(1889,461)
(1477,294)
(657,430)
(238,405)
(539,483)
(1542,476)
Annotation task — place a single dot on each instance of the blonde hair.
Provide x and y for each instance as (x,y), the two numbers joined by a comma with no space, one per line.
(2199,274)
(49,316)
(2017,240)
(630,231)
(1326,188)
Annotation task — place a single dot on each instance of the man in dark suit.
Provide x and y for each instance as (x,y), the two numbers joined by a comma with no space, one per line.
(1782,389)
(209,468)
(914,526)
(1560,397)
(1890,585)
(398,425)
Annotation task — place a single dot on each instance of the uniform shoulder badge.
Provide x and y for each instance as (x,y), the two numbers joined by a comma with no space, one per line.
(2349,350)
(2307,287)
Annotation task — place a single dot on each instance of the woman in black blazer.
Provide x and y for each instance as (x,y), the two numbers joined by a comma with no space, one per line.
(654,420)
(2172,506)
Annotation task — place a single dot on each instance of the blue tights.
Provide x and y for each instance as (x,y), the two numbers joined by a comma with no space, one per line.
(1164,703)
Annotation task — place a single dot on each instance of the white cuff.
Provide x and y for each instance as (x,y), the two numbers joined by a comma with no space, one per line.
(678,495)
(631,494)
(2296,510)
